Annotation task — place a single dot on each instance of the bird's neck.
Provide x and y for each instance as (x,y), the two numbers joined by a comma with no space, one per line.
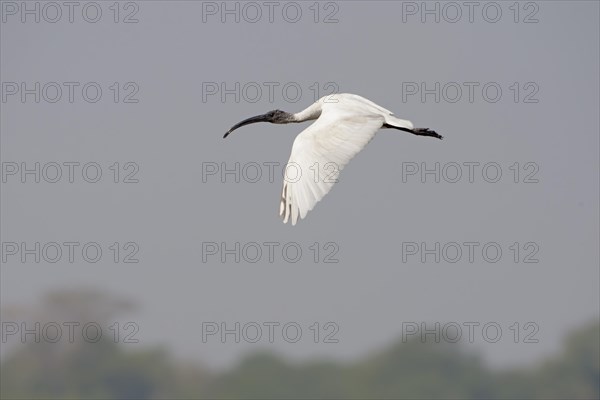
(310,113)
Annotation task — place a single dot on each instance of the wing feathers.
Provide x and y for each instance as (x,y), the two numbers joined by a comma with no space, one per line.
(345,126)
(321,152)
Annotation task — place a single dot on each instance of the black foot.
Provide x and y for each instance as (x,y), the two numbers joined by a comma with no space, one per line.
(426,132)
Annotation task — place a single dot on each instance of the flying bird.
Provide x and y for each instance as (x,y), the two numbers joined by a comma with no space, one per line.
(344,124)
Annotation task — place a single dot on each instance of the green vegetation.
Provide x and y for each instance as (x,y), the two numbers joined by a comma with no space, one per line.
(405,370)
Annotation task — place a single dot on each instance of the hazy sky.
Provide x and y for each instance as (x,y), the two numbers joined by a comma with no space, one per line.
(177,60)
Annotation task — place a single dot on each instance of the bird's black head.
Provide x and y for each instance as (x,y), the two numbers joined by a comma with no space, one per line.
(274,117)
(278,117)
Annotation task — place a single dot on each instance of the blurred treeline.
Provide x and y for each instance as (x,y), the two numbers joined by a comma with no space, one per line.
(413,370)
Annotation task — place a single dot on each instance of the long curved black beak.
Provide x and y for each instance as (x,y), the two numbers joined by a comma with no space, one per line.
(251,120)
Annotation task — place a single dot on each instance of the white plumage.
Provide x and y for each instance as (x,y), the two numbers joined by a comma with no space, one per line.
(345,123)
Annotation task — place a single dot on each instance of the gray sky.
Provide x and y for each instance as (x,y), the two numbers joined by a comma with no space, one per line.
(170,58)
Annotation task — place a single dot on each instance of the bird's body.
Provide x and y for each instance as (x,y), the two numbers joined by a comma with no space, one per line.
(344,124)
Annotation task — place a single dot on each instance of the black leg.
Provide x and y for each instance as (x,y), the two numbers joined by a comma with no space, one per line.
(426,132)
(416,131)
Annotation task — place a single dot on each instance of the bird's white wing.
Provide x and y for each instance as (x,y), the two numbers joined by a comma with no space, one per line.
(319,153)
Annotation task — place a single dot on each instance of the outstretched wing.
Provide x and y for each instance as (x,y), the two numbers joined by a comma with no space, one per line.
(320,152)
